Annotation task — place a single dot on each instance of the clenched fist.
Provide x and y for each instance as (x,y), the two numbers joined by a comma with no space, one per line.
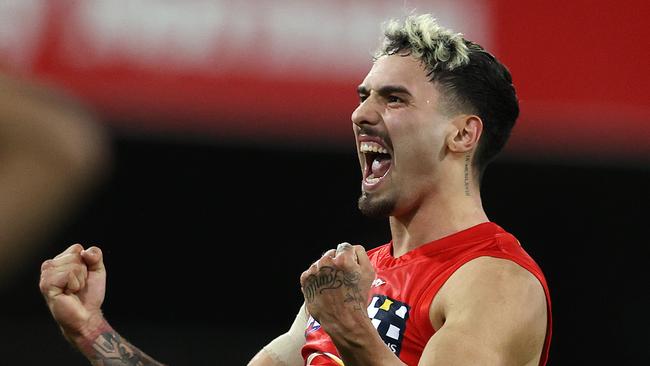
(73,284)
(336,287)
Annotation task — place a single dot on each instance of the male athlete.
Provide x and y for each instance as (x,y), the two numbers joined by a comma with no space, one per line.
(451,288)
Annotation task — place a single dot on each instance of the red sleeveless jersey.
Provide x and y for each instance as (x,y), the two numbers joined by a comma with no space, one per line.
(404,288)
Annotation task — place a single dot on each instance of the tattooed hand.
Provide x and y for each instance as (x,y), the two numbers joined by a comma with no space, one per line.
(336,287)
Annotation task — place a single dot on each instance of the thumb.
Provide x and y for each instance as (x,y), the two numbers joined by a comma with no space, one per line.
(93,258)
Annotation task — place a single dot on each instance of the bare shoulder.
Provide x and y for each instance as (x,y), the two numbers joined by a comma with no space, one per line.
(497,302)
(494,275)
(494,285)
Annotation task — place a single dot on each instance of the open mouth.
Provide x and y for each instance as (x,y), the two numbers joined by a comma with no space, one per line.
(378,162)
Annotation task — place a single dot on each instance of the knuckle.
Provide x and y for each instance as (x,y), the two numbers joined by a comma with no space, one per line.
(304,276)
(42,286)
(342,260)
(46,265)
(328,253)
(76,247)
(343,247)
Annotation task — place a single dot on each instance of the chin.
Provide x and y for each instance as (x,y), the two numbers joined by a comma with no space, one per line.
(375,208)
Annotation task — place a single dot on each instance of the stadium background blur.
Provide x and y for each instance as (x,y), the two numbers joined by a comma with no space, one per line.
(234,163)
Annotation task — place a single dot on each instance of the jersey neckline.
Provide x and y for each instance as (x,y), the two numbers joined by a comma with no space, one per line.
(464,237)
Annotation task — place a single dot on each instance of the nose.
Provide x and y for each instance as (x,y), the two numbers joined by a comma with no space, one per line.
(366,114)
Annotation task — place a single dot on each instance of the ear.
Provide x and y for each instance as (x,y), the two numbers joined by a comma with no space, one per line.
(466,132)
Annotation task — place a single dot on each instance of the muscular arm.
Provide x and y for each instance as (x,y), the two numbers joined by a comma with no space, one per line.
(285,349)
(490,312)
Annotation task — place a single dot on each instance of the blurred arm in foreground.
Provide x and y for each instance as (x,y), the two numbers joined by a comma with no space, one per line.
(51,153)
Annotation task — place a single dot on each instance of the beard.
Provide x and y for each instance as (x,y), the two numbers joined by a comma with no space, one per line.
(375,208)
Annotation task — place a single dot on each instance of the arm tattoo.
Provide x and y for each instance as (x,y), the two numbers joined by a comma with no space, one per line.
(111,350)
(330,278)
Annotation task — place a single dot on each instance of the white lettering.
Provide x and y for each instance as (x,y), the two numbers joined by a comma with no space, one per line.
(320,39)
(145,32)
(392,347)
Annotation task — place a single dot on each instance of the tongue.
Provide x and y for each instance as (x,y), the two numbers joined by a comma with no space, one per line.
(380,166)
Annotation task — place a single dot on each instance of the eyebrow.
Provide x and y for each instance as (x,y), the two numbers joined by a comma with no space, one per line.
(384,90)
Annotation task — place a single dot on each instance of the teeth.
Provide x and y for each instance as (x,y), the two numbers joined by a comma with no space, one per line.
(372,180)
(372,147)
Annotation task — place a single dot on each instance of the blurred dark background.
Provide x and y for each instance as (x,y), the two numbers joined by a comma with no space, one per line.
(231,175)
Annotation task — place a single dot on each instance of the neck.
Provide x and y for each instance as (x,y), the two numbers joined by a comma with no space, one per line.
(443,214)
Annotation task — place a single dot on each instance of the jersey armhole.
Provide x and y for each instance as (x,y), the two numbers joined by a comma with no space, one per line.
(421,315)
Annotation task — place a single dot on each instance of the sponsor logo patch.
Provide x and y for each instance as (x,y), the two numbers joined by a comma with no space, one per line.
(389,318)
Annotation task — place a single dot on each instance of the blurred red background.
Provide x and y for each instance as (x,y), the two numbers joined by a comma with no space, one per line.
(260,70)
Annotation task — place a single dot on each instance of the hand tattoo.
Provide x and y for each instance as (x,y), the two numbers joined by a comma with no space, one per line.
(330,278)
(351,282)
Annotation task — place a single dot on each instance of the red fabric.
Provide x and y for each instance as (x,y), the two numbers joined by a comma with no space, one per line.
(412,281)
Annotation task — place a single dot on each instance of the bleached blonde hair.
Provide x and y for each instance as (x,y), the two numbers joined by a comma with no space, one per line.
(425,39)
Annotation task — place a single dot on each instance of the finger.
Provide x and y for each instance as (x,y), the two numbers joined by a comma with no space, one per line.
(346,257)
(79,271)
(329,253)
(76,280)
(47,288)
(326,261)
(48,280)
(55,280)
(362,256)
(343,247)
(313,268)
(74,248)
(304,276)
(73,285)
(94,259)
(47,265)
(63,259)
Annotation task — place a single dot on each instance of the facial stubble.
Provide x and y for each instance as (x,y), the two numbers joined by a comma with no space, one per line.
(375,207)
